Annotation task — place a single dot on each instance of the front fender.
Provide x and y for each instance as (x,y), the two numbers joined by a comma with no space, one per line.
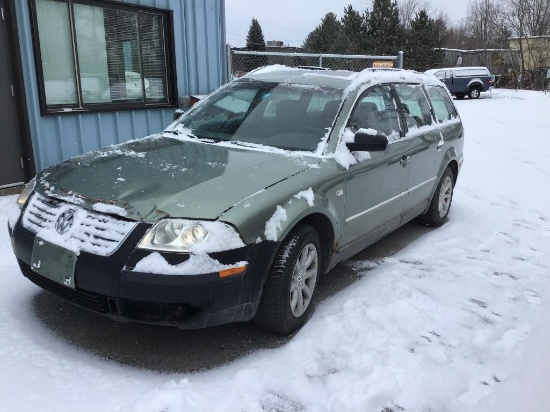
(272,213)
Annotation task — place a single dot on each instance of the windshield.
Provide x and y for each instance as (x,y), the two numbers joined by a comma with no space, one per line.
(285,116)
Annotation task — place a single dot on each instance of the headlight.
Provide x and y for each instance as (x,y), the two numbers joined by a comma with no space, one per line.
(27,191)
(179,235)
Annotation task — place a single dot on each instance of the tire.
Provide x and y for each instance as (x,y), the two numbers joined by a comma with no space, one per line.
(288,293)
(441,202)
(460,96)
(474,93)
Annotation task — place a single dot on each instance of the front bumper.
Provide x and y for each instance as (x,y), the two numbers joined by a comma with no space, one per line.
(108,285)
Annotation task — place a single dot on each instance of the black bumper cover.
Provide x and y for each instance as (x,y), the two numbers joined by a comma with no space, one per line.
(107,284)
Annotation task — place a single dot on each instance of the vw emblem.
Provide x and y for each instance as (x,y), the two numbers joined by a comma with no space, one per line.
(65,221)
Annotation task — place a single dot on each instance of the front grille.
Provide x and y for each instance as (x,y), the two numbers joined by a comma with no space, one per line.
(91,232)
(89,300)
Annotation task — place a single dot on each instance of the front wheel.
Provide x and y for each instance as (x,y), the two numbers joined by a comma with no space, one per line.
(288,293)
(460,96)
(441,202)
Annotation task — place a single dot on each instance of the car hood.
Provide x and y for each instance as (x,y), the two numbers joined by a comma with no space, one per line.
(160,177)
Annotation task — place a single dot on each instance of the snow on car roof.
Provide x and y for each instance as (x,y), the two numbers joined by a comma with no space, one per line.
(340,79)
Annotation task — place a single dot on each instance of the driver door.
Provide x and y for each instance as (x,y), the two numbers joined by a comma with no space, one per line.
(376,188)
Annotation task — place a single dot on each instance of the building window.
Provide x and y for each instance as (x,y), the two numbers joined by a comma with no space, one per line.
(94,56)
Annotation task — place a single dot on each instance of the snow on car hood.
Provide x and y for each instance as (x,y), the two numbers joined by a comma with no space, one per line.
(161,177)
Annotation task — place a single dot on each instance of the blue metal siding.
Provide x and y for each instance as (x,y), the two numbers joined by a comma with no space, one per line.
(199,34)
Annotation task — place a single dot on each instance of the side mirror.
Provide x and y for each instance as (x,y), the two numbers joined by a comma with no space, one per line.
(367,141)
(178,113)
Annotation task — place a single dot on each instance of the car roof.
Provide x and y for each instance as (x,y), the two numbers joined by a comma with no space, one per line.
(339,79)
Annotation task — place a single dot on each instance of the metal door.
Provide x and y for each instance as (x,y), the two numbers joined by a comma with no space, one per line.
(11,170)
(426,147)
(376,188)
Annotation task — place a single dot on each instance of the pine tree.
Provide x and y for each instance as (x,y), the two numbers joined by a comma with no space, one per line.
(255,42)
(325,36)
(255,38)
(354,32)
(424,40)
(385,31)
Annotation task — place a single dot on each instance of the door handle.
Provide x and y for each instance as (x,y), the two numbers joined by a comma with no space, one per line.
(405,160)
(441,142)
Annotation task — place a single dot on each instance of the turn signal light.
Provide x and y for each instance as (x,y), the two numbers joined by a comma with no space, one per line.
(230,272)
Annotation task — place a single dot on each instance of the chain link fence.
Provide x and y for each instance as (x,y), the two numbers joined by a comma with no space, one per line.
(241,62)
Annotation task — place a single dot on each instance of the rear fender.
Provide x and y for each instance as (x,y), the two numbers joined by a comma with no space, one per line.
(476,82)
(450,156)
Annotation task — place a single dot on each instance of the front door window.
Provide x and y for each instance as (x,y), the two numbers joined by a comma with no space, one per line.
(376,111)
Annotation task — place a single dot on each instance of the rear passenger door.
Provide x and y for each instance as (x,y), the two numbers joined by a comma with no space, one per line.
(425,147)
(376,187)
(447,117)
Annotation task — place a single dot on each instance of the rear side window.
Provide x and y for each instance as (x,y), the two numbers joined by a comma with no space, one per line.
(442,104)
(415,105)
(442,74)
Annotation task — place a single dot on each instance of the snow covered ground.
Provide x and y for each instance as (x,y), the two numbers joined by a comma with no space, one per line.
(457,321)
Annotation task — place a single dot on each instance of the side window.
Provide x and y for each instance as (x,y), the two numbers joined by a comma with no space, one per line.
(415,105)
(440,74)
(442,104)
(376,110)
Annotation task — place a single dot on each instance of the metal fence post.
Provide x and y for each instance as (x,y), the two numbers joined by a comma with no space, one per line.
(229,73)
(400,57)
(320,60)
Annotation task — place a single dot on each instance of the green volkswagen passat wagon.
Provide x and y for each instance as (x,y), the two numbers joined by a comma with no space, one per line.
(236,210)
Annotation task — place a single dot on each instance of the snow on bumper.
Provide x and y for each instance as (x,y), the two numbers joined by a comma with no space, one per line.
(115,287)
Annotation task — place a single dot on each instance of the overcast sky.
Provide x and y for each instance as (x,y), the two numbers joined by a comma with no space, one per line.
(292,20)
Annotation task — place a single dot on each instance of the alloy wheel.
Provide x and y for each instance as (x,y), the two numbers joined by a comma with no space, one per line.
(304,277)
(445,196)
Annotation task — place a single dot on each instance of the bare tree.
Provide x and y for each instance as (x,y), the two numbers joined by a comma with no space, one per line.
(408,9)
(517,12)
(538,18)
(458,37)
(482,22)
(444,25)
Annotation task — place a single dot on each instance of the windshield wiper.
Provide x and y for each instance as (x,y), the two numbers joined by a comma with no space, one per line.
(176,132)
(193,136)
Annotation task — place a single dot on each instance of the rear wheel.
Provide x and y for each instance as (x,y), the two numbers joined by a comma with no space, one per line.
(441,201)
(288,293)
(474,93)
